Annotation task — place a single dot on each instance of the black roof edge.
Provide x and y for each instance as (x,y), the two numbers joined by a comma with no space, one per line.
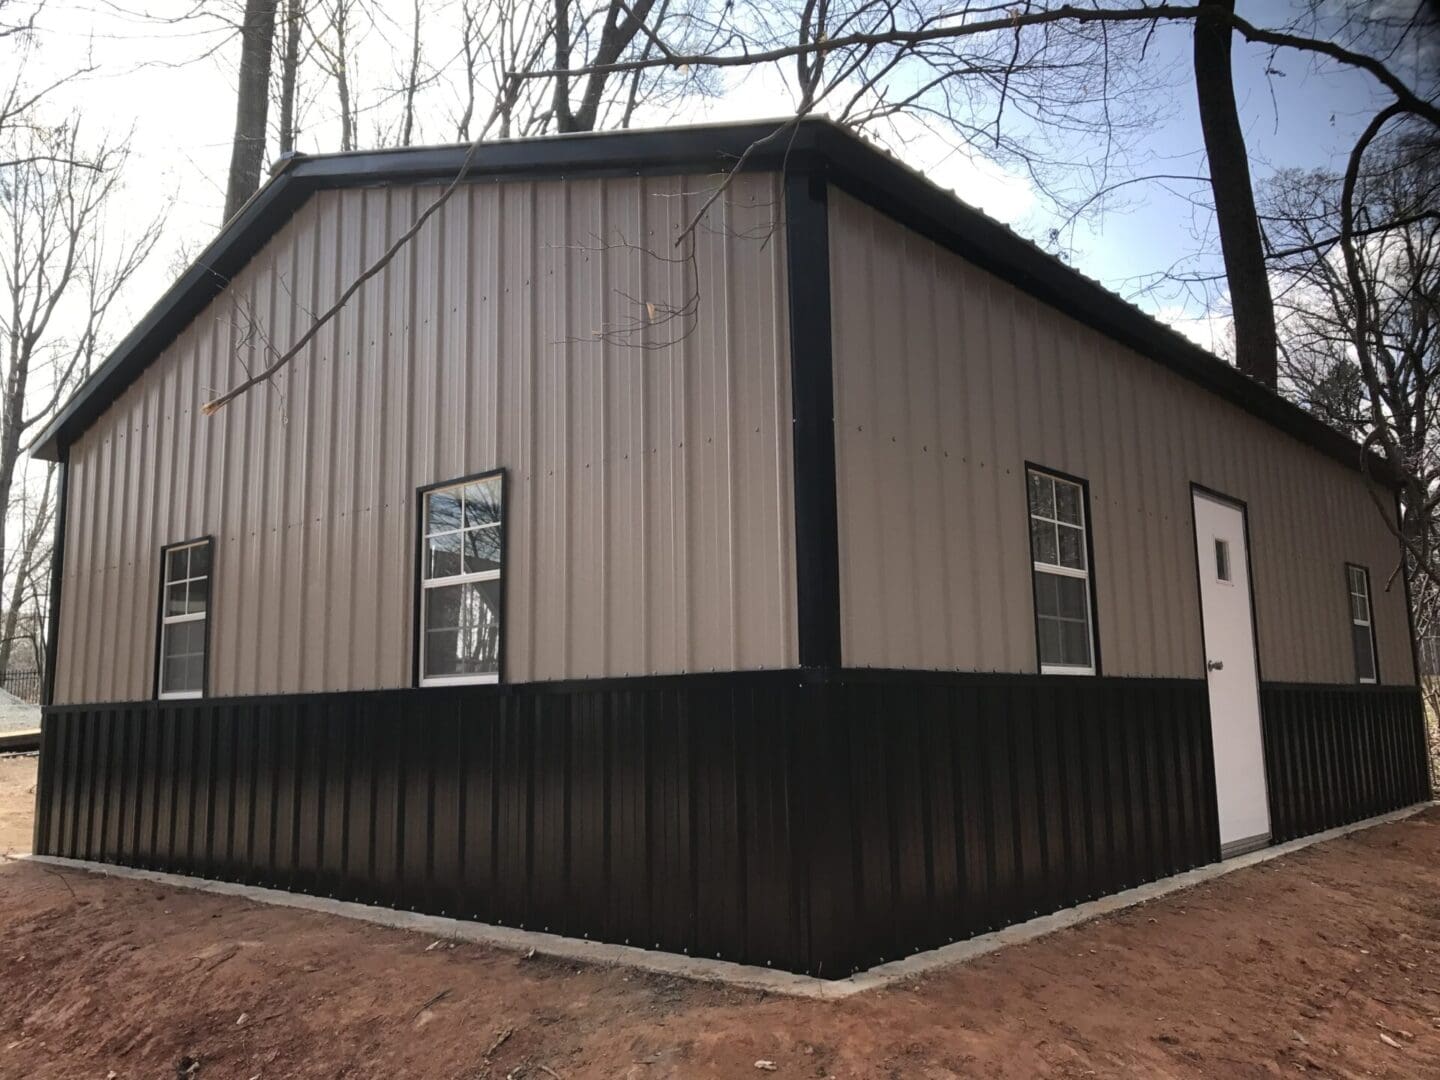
(816,144)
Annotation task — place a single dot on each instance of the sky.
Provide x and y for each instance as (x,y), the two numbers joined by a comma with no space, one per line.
(162,83)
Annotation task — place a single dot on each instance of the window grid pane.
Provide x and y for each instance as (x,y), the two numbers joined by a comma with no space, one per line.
(1364,653)
(442,511)
(462,629)
(443,555)
(1062,614)
(1067,502)
(1072,547)
(482,503)
(1042,495)
(1057,522)
(462,537)
(187,581)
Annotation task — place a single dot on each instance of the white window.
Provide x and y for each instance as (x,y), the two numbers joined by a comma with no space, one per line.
(460,577)
(1362,628)
(184,616)
(1064,627)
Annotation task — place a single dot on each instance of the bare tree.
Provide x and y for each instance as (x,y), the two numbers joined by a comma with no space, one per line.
(21,97)
(1356,263)
(252,103)
(498,37)
(290,74)
(620,23)
(412,82)
(61,277)
(1239,228)
(26,569)
(1066,69)
(1399,263)
(1391,279)
(1356,260)
(332,32)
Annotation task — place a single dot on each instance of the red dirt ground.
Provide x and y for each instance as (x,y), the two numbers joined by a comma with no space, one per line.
(1325,963)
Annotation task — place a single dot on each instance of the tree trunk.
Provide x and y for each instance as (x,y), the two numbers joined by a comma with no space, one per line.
(564,120)
(12,425)
(407,127)
(289,68)
(9,465)
(1250,302)
(342,74)
(622,23)
(247,154)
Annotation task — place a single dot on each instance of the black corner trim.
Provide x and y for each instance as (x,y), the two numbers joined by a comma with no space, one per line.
(57,577)
(812,393)
(419,547)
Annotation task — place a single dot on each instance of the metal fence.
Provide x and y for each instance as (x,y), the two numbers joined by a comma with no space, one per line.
(24,683)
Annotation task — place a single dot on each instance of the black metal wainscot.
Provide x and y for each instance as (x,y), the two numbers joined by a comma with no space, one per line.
(1337,754)
(819,823)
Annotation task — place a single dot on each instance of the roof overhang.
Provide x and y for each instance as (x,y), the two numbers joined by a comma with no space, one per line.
(815,145)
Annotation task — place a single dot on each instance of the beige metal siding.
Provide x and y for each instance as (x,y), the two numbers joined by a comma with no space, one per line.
(947,380)
(649,508)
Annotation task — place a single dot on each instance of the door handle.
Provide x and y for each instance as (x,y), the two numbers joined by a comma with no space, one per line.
(1214,665)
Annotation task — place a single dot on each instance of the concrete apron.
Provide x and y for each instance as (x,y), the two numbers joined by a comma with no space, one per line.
(722,971)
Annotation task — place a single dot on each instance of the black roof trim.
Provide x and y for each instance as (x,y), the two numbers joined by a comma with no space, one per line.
(818,145)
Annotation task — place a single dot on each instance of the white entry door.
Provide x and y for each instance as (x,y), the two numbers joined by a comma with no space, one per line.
(1234,683)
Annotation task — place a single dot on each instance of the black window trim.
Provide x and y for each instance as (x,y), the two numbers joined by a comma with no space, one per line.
(195,541)
(1084,486)
(1350,622)
(418,558)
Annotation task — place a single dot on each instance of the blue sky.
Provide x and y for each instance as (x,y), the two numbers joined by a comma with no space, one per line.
(1305,115)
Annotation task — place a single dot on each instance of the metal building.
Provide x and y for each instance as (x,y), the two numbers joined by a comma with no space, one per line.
(847,581)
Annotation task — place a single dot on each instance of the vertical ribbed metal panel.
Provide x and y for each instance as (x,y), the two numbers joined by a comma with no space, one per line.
(1334,755)
(817,824)
(947,380)
(649,522)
